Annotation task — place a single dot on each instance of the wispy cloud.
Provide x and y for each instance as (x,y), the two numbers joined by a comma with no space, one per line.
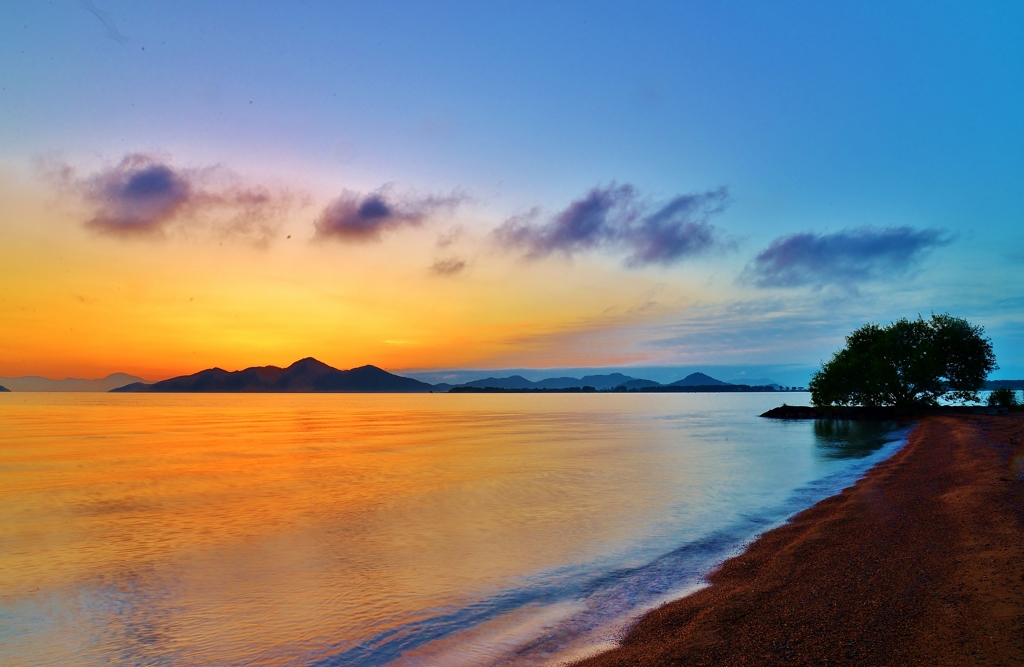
(844,258)
(451,236)
(357,217)
(616,218)
(802,330)
(108,23)
(448,267)
(144,195)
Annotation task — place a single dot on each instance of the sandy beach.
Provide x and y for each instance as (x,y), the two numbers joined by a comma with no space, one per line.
(919,563)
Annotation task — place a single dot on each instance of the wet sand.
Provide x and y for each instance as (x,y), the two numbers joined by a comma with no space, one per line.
(919,563)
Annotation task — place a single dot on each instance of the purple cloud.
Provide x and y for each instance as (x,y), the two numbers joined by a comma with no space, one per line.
(357,217)
(843,258)
(678,229)
(142,196)
(615,217)
(586,223)
(139,195)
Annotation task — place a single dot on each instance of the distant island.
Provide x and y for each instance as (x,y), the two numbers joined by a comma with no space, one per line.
(312,376)
(36,383)
(612,382)
(304,376)
(2,388)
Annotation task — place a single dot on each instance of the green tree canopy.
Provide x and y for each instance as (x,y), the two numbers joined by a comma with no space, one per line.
(908,363)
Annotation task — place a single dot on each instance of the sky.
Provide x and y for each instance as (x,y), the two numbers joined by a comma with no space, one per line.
(435,186)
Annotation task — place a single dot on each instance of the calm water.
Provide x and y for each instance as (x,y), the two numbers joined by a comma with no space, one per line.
(339,530)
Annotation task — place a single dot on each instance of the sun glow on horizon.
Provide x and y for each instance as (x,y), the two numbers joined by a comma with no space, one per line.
(78,303)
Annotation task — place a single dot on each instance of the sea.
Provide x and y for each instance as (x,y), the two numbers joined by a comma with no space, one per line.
(331,530)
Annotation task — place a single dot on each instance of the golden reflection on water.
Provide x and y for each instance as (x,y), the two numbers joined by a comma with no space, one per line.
(220,529)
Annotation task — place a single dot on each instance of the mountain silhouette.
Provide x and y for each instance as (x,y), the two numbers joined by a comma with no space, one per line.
(513,382)
(304,376)
(4,389)
(36,383)
(697,380)
(599,382)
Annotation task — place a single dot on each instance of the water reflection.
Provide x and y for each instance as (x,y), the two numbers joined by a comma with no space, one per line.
(851,439)
(359,530)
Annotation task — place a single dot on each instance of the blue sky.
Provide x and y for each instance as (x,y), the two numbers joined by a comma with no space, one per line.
(832,120)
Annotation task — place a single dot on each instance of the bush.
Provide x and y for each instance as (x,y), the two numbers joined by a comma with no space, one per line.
(1004,397)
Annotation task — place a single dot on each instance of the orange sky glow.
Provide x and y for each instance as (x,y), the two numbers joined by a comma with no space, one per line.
(76,303)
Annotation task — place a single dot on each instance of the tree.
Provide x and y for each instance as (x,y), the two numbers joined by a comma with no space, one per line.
(909,363)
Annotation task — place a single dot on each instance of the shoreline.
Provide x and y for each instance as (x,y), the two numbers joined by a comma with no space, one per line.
(920,562)
(887,413)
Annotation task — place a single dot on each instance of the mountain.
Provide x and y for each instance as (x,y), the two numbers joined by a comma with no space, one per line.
(697,380)
(4,389)
(304,376)
(599,382)
(35,383)
(513,382)
(557,383)
(609,381)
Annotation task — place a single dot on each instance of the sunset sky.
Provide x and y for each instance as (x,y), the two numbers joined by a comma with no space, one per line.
(424,186)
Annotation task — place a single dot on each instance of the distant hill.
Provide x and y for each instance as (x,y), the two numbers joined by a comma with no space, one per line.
(692,383)
(35,383)
(697,380)
(4,389)
(598,382)
(609,381)
(602,382)
(306,375)
(512,382)
(557,383)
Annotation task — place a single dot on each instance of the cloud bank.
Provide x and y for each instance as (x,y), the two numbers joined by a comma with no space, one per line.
(843,258)
(143,195)
(356,217)
(617,219)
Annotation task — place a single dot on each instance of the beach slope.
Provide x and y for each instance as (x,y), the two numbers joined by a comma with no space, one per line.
(919,563)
